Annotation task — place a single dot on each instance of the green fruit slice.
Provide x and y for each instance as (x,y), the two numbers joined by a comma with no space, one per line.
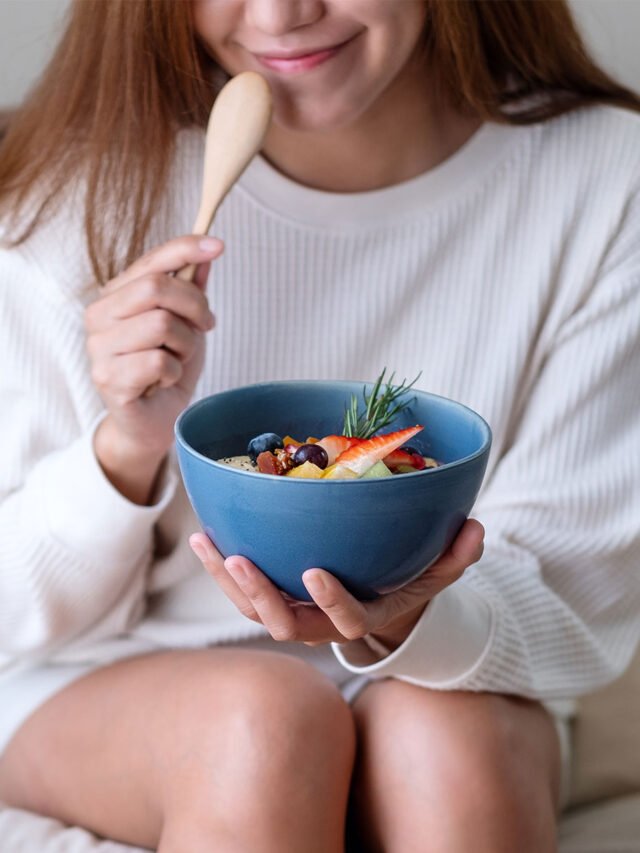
(377,470)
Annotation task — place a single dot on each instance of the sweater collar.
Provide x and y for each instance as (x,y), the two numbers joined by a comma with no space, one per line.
(488,146)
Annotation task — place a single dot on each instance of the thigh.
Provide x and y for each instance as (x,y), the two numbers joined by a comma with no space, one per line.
(116,750)
(454,771)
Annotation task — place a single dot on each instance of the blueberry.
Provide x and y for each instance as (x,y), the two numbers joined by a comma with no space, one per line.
(267,441)
(311,453)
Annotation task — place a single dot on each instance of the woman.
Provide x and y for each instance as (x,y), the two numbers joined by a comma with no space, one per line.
(446,187)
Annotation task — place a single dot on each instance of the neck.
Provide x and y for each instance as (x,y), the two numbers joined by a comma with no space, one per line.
(406,133)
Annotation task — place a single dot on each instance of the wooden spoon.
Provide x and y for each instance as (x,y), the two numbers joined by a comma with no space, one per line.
(237,126)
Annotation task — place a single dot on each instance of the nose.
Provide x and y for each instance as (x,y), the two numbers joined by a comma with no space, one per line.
(277,17)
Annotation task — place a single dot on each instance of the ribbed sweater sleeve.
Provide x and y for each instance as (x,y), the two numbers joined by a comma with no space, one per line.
(545,614)
(73,551)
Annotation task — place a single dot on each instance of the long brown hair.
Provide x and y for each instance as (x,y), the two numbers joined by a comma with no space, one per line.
(127,75)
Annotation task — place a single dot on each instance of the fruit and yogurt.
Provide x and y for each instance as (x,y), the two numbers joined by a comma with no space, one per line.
(360,452)
(334,457)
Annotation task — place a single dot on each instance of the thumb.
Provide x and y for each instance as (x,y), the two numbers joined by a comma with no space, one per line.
(203,270)
(465,550)
(202,275)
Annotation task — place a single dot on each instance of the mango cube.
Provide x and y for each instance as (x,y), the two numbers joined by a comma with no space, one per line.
(338,472)
(306,471)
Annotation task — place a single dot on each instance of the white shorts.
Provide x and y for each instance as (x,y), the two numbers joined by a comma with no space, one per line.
(25,691)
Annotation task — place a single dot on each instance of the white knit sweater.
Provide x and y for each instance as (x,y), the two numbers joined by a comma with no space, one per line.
(509,275)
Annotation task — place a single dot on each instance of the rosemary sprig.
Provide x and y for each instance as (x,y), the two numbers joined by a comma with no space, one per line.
(379,408)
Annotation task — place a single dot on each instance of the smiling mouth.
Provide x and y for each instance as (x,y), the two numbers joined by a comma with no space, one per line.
(300,61)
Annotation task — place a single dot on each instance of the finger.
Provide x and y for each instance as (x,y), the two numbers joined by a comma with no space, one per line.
(286,619)
(156,328)
(155,291)
(124,378)
(213,562)
(465,550)
(170,257)
(275,614)
(347,614)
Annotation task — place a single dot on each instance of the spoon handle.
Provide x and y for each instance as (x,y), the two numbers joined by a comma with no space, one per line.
(237,126)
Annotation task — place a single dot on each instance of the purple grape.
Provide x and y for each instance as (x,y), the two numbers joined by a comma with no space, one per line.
(311,453)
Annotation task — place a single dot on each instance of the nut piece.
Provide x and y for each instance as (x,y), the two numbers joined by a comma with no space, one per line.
(274,463)
(285,459)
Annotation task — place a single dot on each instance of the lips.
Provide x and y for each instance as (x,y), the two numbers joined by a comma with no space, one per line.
(296,62)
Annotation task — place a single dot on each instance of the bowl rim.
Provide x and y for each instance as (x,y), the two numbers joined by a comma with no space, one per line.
(447,466)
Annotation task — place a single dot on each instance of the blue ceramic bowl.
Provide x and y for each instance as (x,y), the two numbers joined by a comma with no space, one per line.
(374,535)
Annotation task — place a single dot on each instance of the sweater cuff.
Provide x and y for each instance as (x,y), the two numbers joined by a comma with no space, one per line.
(447,644)
(87,514)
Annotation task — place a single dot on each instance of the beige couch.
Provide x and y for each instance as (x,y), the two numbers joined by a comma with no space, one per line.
(604,811)
(603,814)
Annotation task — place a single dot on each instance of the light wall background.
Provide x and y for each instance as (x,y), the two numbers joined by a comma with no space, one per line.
(29,28)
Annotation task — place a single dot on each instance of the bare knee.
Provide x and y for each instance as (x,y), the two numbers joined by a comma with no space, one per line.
(186,741)
(283,737)
(479,760)
(281,710)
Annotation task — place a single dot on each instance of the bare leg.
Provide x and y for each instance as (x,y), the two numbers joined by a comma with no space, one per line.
(223,750)
(454,771)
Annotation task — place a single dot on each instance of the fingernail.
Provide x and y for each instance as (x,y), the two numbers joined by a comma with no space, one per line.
(237,571)
(210,244)
(211,320)
(198,550)
(315,583)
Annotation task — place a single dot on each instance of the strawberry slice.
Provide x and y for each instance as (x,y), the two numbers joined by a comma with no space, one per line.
(364,454)
(404,457)
(337,444)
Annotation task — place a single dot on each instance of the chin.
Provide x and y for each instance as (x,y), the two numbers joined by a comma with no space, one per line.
(292,115)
